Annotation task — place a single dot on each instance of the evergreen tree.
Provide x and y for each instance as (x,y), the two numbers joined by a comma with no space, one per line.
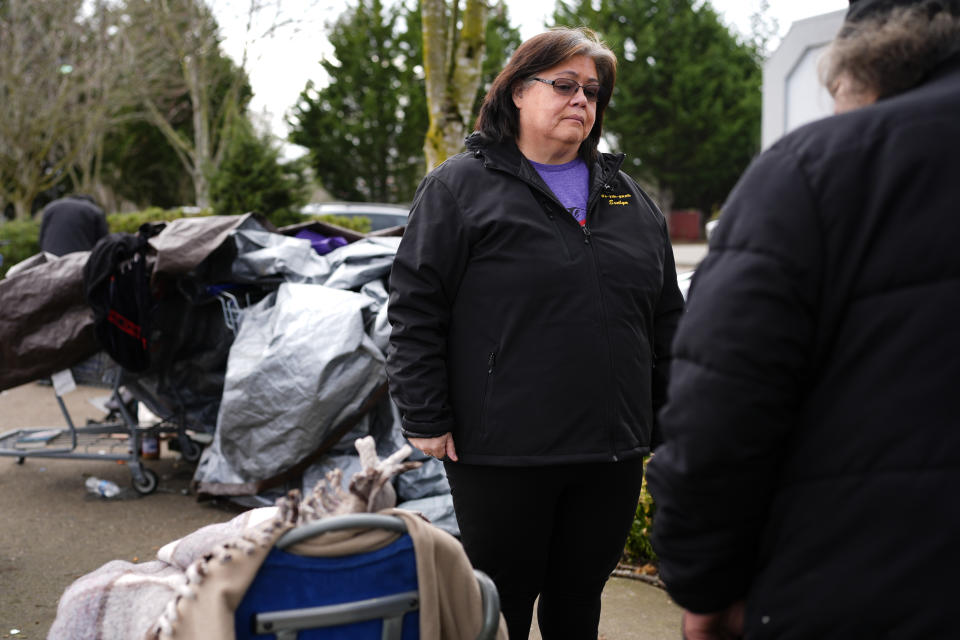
(365,129)
(141,167)
(251,177)
(686,107)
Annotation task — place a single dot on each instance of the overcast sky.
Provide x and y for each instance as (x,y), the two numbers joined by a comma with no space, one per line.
(280,67)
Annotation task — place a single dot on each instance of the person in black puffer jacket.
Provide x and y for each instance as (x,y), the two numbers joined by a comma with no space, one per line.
(806,485)
(533,302)
(73,223)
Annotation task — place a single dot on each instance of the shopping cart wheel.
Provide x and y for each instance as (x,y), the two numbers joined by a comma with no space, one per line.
(190,449)
(148,483)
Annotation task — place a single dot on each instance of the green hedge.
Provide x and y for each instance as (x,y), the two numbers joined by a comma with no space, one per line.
(130,222)
(19,239)
(638,549)
(359,224)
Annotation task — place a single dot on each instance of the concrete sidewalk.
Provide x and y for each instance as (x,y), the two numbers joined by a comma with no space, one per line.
(53,532)
(634,610)
(688,256)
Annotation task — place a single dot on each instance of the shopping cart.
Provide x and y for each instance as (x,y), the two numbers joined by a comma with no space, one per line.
(179,409)
(118,436)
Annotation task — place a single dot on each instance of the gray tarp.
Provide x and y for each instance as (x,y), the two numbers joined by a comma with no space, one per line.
(378,326)
(303,361)
(262,254)
(45,322)
(296,370)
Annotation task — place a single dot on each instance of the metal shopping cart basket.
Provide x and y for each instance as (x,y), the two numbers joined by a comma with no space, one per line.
(45,330)
(118,436)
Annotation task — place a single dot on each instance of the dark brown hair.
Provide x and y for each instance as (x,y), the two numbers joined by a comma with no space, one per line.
(498,119)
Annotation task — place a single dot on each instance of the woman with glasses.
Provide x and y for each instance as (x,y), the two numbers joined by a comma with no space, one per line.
(533,301)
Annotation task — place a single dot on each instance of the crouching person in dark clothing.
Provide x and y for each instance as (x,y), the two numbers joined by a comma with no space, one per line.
(533,302)
(807,484)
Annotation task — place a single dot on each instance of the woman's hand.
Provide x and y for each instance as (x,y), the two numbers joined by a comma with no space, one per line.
(437,447)
(722,625)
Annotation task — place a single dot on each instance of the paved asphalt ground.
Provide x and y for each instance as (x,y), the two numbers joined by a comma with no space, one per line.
(52,531)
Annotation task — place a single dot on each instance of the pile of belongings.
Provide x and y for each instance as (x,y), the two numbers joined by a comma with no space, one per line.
(193,589)
(270,349)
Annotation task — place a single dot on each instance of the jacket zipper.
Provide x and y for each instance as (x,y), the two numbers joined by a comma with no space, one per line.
(491,363)
(556,227)
(611,412)
(591,202)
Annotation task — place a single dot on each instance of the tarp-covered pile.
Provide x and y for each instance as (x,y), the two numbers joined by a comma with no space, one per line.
(302,378)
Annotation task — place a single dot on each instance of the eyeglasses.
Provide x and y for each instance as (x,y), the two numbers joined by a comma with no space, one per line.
(567,87)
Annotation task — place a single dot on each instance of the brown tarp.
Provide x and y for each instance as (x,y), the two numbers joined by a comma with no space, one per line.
(186,242)
(45,322)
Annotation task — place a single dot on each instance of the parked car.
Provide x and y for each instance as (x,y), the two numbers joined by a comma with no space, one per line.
(380,215)
(711,226)
(683,281)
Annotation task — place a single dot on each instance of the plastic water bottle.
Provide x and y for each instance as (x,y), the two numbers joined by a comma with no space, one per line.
(103,488)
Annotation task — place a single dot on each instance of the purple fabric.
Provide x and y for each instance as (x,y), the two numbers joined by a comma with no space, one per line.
(321,244)
(570,182)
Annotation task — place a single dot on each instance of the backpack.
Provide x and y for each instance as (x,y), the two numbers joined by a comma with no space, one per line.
(116,282)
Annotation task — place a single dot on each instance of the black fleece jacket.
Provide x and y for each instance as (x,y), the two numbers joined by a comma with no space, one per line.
(533,340)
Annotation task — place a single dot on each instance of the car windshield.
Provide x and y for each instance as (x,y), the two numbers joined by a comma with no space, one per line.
(381,216)
(380,220)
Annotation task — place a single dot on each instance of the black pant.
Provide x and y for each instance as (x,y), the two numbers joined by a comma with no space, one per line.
(556,531)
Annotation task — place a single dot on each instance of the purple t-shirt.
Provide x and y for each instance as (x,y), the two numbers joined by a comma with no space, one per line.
(570,182)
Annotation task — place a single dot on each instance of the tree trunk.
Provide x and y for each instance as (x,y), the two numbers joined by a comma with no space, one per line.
(203,155)
(664,198)
(452,63)
(21,209)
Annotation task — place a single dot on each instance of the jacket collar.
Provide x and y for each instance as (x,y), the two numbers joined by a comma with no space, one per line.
(948,66)
(505,156)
